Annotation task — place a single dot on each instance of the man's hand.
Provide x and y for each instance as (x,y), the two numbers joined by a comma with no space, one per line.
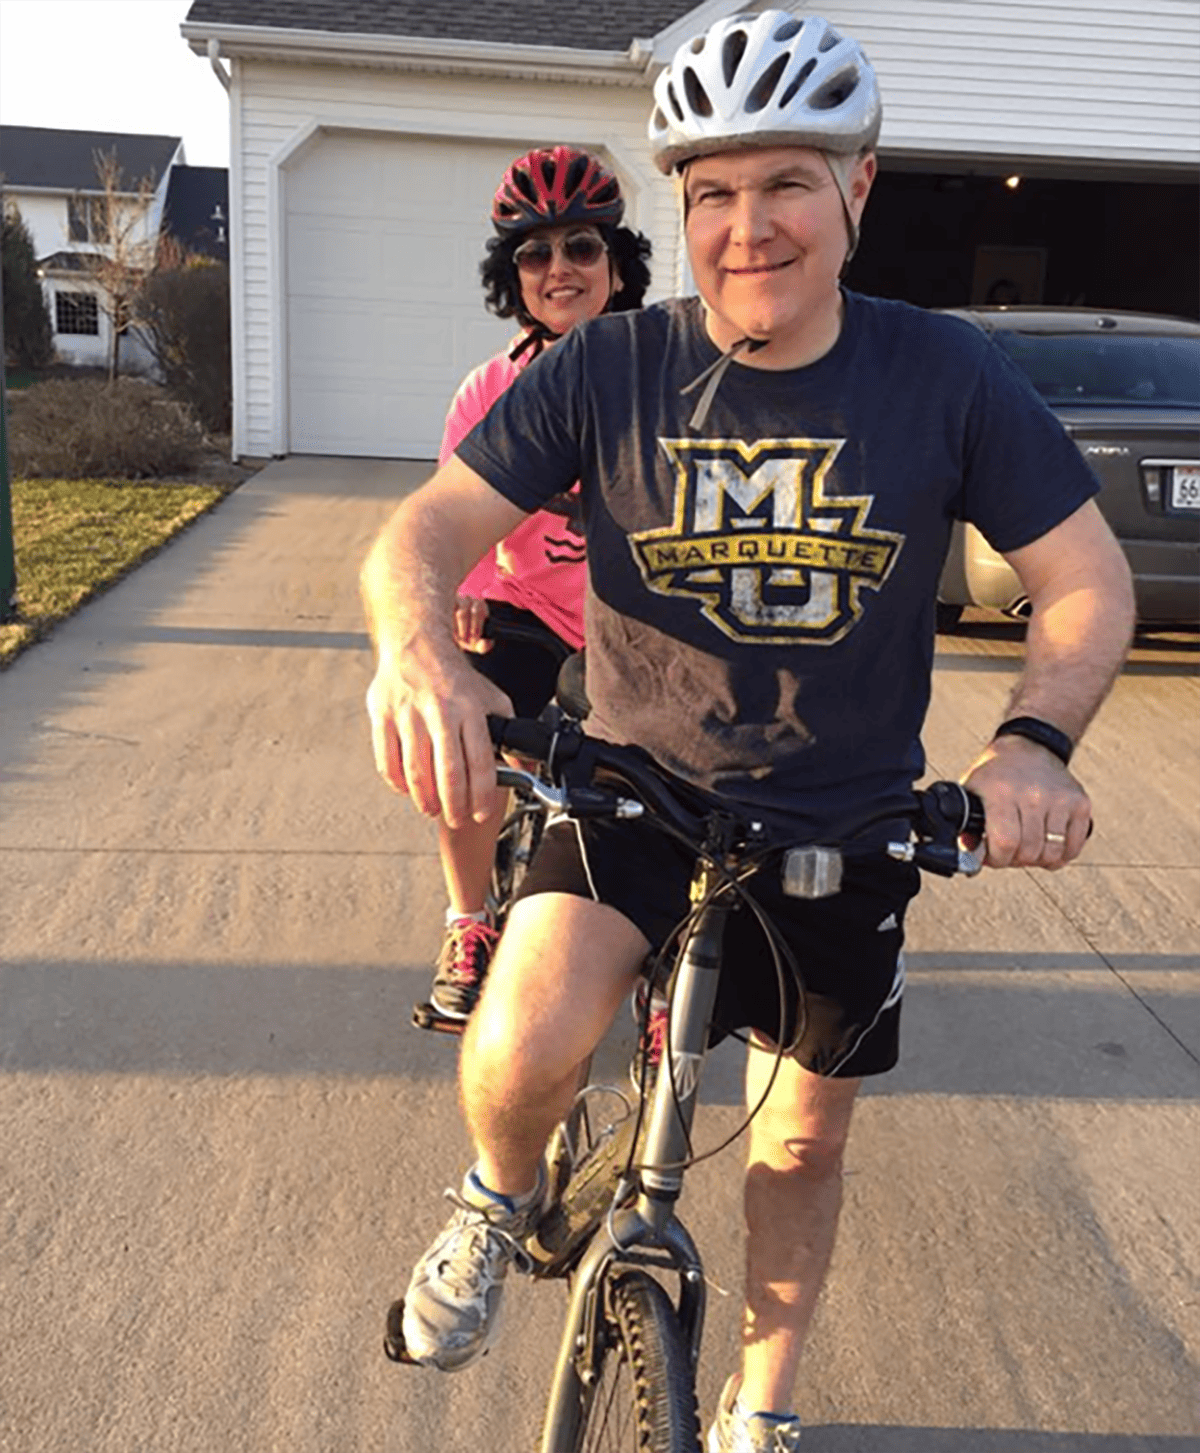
(431,740)
(1037,813)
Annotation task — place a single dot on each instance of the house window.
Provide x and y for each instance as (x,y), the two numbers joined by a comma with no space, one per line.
(76,313)
(85,219)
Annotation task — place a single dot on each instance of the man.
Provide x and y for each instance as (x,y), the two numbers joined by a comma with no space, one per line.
(769,475)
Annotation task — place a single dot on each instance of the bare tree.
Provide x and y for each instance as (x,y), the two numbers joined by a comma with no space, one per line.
(115,220)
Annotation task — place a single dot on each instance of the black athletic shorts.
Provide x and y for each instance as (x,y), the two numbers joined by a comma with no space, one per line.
(526,672)
(847,947)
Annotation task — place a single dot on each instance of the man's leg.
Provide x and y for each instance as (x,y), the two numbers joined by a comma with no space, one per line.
(793,1195)
(563,967)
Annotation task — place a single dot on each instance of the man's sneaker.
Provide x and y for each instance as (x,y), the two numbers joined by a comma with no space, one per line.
(652,1035)
(738,1431)
(462,966)
(452,1306)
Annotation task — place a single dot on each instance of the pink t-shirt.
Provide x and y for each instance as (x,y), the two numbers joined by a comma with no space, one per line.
(541,566)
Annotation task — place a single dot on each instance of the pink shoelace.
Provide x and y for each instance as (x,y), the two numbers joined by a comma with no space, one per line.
(474,942)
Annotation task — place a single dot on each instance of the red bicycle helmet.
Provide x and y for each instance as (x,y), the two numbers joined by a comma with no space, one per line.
(553,185)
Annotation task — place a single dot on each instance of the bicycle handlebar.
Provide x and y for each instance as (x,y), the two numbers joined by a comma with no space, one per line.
(944,811)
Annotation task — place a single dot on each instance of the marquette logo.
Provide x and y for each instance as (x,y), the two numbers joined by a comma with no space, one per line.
(756,540)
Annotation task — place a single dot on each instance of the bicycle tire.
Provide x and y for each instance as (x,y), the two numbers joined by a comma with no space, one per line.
(644,1397)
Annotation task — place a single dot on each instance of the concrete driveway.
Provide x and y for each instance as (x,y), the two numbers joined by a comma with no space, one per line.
(222,1146)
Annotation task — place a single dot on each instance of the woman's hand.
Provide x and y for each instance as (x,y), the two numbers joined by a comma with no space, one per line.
(469,617)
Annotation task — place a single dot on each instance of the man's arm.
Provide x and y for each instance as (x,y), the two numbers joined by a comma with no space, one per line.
(426,705)
(1079,585)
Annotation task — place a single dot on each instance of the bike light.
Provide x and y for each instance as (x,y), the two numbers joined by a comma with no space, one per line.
(812,872)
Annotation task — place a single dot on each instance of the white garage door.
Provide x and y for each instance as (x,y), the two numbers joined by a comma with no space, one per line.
(384,305)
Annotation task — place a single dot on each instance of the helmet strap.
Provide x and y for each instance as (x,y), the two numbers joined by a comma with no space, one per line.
(537,335)
(839,182)
(712,376)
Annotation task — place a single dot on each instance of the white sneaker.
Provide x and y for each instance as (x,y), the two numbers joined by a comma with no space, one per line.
(739,1431)
(452,1306)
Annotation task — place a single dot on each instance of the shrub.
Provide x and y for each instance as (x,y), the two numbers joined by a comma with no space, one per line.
(27,336)
(90,429)
(184,312)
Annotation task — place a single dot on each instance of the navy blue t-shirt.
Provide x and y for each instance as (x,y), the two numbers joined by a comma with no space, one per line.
(761,599)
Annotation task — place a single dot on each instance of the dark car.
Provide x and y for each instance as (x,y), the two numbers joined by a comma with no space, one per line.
(1126,387)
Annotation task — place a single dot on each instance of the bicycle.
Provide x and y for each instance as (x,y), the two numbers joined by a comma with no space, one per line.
(625,1373)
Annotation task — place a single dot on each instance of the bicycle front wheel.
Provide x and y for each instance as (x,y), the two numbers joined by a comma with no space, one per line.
(644,1398)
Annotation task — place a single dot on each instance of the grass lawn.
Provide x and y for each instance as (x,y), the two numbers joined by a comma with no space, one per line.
(74,538)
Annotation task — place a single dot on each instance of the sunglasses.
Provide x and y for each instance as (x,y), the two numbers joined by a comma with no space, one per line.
(580,249)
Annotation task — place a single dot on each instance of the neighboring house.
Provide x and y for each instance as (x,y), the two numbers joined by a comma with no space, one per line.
(196,214)
(1046,151)
(51,176)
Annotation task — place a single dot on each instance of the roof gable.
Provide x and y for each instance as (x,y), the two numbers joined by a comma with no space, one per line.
(65,161)
(601,25)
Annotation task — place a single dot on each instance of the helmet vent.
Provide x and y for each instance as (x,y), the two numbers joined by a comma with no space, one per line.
(806,70)
(607,193)
(829,40)
(575,174)
(764,88)
(698,44)
(697,96)
(731,54)
(790,27)
(524,184)
(675,106)
(834,92)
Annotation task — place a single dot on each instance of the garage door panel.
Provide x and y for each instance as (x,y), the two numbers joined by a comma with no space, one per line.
(384,305)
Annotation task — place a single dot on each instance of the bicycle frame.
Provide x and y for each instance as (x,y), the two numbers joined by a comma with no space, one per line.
(648,1232)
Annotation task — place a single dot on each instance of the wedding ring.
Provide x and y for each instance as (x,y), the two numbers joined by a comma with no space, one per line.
(1055,837)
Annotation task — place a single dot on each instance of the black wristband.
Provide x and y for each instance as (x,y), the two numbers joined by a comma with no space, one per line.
(1041,732)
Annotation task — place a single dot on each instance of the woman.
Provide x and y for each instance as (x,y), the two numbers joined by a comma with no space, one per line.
(560,257)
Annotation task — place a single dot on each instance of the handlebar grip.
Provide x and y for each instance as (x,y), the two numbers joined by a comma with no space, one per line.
(525,738)
(956,808)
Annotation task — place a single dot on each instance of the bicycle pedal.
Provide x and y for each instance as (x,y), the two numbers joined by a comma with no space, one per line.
(394,1346)
(425,1016)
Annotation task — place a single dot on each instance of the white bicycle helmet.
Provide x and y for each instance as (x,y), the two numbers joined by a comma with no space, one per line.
(772,79)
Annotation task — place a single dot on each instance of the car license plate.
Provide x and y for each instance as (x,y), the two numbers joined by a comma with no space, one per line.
(1185,487)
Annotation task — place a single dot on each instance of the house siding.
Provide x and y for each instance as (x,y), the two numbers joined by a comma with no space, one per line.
(275,104)
(1090,81)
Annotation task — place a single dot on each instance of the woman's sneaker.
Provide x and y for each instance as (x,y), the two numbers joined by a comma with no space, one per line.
(739,1431)
(452,1306)
(462,965)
